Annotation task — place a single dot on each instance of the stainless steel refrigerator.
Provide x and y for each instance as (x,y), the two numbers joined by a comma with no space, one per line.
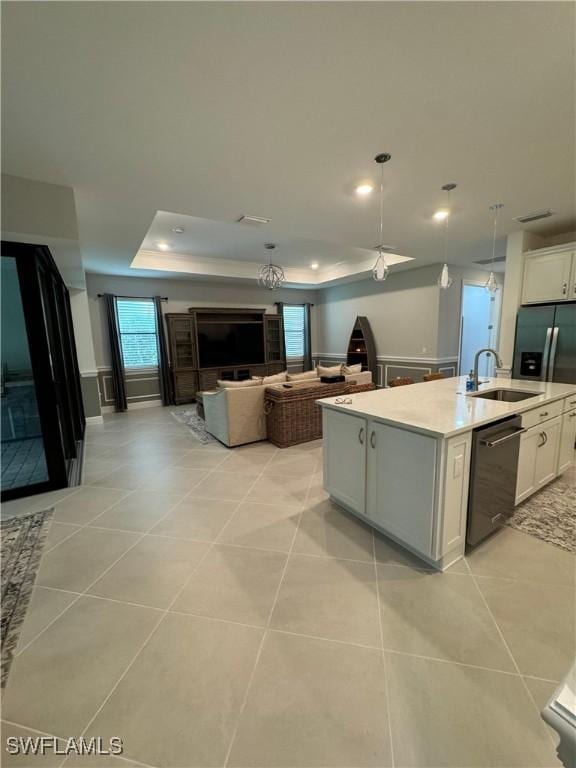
(545,346)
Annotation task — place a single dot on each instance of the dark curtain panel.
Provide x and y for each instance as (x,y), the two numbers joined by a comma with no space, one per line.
(307,339)
(116,353)
(163,362)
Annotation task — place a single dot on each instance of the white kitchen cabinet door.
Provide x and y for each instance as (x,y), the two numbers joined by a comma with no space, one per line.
(526,480)
(547,277)
(401,472)
(344,438)
(567,440)
(547,456)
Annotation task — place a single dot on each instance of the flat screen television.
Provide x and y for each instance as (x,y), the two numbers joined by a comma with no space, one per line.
(221,344)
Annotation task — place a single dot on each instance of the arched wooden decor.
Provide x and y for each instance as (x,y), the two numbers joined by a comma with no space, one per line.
(361,347)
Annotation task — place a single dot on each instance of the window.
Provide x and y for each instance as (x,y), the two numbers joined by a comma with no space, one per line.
(138,335)
(294,330)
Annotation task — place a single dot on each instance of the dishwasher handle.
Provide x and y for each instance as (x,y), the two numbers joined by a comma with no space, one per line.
(500,440)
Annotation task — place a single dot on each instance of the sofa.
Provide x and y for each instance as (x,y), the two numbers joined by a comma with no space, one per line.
(234,413)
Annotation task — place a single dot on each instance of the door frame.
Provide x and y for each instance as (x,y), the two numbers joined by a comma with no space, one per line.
(498,318)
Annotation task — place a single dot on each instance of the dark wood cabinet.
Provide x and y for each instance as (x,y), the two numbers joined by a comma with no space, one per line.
(190,377)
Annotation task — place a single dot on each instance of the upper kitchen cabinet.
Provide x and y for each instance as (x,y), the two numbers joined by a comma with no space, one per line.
(549,275)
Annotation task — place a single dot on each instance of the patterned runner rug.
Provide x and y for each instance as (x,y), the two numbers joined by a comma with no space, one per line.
(550,515)
(21,541)
(195,424)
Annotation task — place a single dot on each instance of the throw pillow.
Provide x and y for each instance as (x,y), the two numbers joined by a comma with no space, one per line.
(238,384)
(303,376)
(352,368)
(333,370)
(278,378)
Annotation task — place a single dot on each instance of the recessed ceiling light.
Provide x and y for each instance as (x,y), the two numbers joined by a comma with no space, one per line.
(249,219)
(441,214)
(178,230)
(364,189)
(314,265)
(163,246)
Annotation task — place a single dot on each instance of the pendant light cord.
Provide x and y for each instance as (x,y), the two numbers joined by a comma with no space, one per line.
(446,222)
(496,209)
(381,206)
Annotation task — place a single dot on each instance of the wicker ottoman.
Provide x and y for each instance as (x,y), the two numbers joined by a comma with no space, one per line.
(292,415)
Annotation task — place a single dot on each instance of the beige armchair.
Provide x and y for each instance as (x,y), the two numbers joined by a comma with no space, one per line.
(235,416)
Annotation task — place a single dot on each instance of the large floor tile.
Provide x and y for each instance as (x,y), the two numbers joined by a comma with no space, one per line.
(195,518)
(152,572)
(316,490)
(179,703)
(326,529)
(269,526)
(127,477)
(252,462)
(57,684)
(57,533)
(538,623)
(174,479)
(283,489)
(314,703)
(439,615)
(541,690)
(455,716)
(329,598)
(139,511)
(230,486)
(290,463)
(512,554)
(45,605)
(77,562)
(197,459)
(234,583)
(86,504)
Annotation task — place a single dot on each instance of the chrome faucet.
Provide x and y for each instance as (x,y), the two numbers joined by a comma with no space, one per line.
(477,360)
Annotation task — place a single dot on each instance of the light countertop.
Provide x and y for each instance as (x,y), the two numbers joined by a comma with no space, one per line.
(442,408)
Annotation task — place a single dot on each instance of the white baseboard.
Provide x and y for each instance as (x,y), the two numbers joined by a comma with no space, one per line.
(94,419)
(132,406)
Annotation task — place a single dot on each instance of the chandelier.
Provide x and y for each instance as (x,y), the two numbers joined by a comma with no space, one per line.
(491,284)
(381,269)
(444,279)
(270,276)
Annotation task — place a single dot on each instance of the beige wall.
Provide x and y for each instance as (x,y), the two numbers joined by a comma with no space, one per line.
(182,294)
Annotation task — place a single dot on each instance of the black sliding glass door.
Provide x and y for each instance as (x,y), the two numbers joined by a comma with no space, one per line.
(41,404)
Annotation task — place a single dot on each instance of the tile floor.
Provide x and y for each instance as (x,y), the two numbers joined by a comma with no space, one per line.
(212,607)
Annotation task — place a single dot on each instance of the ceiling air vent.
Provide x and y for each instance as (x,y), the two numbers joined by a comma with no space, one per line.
(255,220)
(534,216)
(489,261)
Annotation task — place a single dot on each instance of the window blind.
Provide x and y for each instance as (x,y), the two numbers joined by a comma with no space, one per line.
(138,335)
(294,330)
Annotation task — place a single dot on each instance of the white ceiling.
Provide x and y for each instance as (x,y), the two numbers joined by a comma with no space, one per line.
(213,110)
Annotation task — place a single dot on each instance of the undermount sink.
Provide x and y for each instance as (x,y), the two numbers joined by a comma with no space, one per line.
(505,395)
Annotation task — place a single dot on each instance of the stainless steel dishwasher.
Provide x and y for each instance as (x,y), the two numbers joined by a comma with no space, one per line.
(493,472)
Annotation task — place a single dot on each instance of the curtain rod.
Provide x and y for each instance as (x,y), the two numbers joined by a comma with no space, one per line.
(162,298)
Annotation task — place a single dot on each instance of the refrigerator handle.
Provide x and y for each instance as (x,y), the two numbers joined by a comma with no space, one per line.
(545,355)
(552,359)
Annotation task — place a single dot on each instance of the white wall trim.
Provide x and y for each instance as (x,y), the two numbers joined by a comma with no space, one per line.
(85,374)
(392,358)
(133,406)
(407,367)
(94,419)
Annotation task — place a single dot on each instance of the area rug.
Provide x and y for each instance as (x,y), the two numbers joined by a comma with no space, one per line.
(195,424)
(550,515)
(21,541)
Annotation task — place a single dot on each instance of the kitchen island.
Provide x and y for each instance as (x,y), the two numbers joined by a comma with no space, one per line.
(400,458)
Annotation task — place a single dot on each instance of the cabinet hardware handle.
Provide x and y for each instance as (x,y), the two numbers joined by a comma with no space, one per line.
(543,438)
(373,439)
(564,288)
(361,436)
(572,415)
(543,414)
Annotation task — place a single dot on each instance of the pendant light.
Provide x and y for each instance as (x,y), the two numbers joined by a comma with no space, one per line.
(444,279)
(381,269)
(491,284)
(270,276)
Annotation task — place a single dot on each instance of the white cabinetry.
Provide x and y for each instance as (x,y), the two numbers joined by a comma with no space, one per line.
(567,440)
(549,276)
(399,499)
(345,462)
(538,458)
